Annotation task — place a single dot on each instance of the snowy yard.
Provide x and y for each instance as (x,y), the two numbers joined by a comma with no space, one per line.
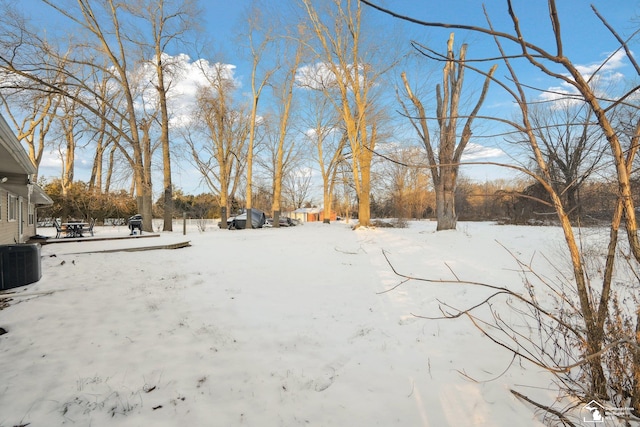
(270,327)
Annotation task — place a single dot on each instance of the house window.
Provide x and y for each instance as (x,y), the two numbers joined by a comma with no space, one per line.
(32,214)
(12,202)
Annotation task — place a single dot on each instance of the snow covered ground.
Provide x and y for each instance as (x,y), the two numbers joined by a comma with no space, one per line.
(270,327)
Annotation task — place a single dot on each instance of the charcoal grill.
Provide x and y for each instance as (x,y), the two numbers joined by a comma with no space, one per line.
(135,222)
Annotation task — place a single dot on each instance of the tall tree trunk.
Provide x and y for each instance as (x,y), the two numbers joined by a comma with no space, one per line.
(327,202)
(107,182)
(224,209)
(166,162)
(146,208)
(364,195)
(95,180)
(164,138)
(635,398)
(277,195)
(258,48)
(252,136)
(69,159)
(445,207)
(573,207)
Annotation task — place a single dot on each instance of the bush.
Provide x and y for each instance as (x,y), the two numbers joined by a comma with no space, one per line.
(81,202)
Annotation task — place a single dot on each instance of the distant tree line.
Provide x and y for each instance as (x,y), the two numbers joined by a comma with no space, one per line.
(519,202)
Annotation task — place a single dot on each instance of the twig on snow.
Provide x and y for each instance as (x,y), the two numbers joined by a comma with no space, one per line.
(546,408)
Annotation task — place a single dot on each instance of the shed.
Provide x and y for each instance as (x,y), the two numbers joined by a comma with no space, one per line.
(306,214)
(311,214)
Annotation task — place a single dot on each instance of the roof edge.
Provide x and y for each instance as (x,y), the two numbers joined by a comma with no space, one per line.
(10,142)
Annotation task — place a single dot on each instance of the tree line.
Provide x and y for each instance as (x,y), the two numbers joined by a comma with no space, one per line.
(406,196)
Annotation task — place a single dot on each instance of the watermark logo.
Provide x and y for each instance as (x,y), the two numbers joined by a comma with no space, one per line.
(595,413)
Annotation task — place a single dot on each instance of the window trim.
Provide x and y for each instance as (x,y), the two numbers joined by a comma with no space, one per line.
(31,214)
(12,207)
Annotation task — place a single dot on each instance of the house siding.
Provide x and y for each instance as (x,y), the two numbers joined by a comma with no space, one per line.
(10,229)
(332,216)
(17,190)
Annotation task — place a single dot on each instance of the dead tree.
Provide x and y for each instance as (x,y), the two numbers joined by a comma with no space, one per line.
(449,148)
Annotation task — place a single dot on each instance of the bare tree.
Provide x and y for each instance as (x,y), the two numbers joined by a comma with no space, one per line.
(279,158)
(36,123)
(572,145)
(297,187)
(168,21)
(106,29)
(103,136)
(351,70)
(284,96)
(221,160)
(445,152)
(32,112)
(323,132)
(70,129)
(260,39)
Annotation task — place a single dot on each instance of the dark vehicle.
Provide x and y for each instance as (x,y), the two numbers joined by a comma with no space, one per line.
(239,222)
(284,221)
(135,222)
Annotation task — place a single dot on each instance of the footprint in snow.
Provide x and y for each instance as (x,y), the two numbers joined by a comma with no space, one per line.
(329,374)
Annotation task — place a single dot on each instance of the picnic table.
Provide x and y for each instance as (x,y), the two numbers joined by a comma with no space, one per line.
(75,228)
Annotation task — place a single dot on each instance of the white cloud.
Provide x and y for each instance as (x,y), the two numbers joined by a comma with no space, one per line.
(616,61)
(316,76)
(51,160)
(477,152)
(320,76)
(193,75)
(603,76)
(185,78)
(311,133)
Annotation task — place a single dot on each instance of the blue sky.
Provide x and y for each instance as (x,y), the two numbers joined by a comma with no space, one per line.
(586,42)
